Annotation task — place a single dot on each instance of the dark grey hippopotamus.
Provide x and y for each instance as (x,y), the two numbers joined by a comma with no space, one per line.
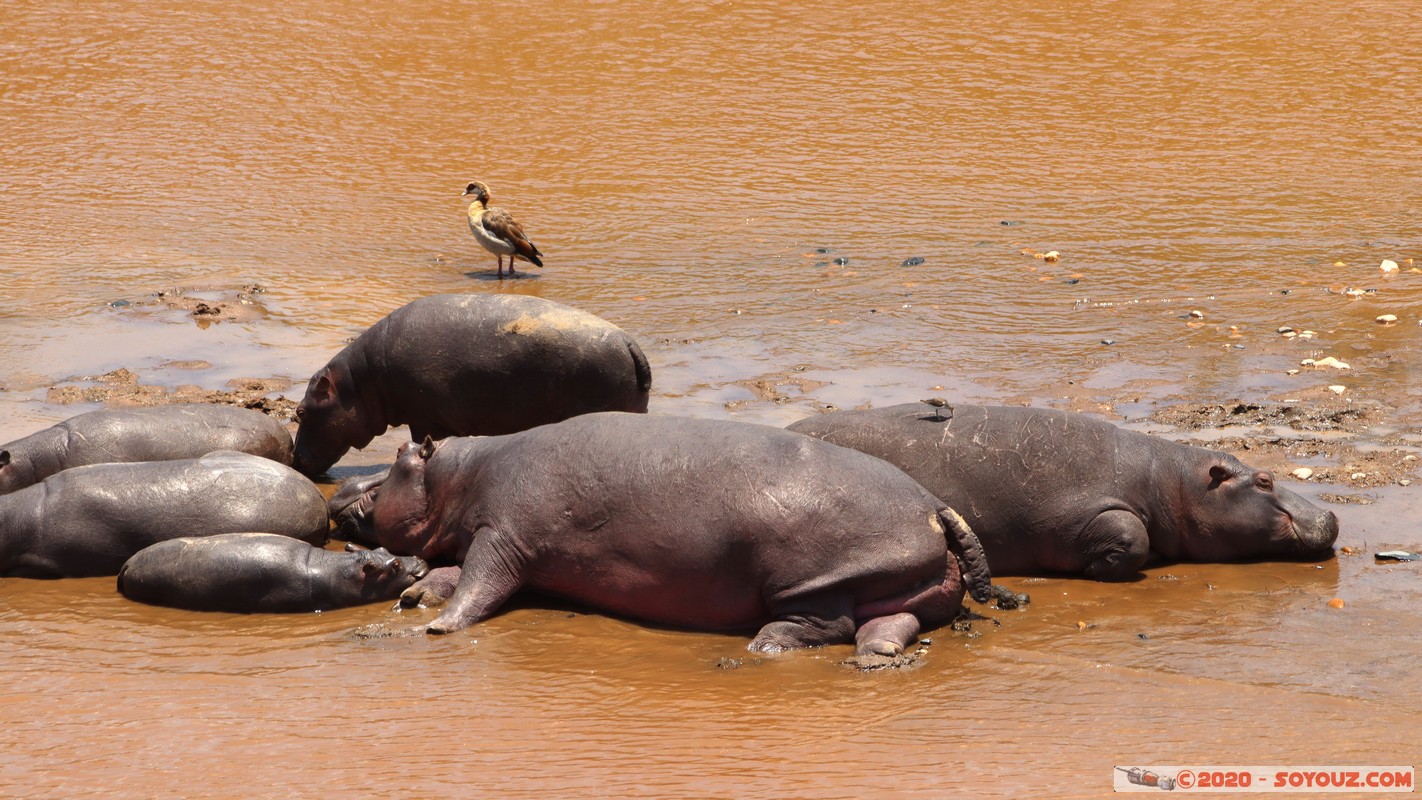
(468,364)
(705,524)
(263,573)
(89,520)
(1056,492)
(160,433)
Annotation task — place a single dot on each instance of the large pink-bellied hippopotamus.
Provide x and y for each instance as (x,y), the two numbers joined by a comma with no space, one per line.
(263,573)
(160,433)
(704,524)
(88,521)
(1057,492)
(468,364)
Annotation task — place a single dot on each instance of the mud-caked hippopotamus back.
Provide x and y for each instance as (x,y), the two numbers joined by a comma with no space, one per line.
(706,524)
(160,433)
(468,364)
(1057,492)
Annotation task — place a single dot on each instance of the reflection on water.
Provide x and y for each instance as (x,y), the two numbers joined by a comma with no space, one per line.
(742,187)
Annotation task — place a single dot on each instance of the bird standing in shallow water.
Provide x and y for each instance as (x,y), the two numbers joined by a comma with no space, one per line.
(497,231)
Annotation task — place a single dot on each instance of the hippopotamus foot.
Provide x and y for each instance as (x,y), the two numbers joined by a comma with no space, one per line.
(886,636)
(814,622)
(434,589)
(1117,544)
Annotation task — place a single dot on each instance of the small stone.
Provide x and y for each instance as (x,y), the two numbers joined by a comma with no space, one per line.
(1302,473)
(1051,255)
(1388,265)
(1291,372)
(841,261)
(1357,476)
(1336,602)
(1197,314)
(1409,458)
(1238,346)
(1330,361)
(1108,341)
(1356,293)
(1339,264)
(1386,319)
(1285,329)
(912,261)
(1010,223)
(1338,389)
(1404,482)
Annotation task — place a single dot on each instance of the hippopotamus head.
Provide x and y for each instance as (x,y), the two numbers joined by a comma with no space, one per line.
(330,421)
(384,575)
(1237,511)
(404,507)
(10,478)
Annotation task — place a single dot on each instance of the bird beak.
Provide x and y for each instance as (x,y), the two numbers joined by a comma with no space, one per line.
(464,194)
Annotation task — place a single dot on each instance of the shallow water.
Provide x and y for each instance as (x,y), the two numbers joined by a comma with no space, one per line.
(694,173)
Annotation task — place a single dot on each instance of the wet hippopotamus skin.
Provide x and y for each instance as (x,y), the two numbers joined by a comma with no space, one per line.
(89,520)
(160,433)
(703,524)
(1057,492)
(468,364)
(263,573)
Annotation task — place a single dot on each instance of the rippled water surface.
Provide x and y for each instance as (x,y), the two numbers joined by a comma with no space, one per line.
(748,189)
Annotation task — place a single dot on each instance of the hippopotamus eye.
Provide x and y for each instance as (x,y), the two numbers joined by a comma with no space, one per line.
(1264,481)
(300,412)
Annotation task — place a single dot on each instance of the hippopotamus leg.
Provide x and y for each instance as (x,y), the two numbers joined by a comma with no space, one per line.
(810,621)
(1116,545)
(434,589)
(490,576)
(886,636)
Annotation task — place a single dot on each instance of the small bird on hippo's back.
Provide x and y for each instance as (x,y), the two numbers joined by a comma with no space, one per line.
(497,231)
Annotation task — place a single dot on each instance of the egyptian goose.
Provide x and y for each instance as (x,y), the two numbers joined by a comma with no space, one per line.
(497,231)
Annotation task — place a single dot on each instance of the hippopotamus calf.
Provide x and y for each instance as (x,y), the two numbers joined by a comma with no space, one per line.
(705,524)
(1056,492)
(467,364)
(160,433)
(87,521)
(263,573)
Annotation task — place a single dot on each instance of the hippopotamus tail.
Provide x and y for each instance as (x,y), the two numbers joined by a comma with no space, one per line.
(972,561)
(640,365)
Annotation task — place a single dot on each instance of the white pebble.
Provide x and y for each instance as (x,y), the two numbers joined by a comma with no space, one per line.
(1338,389)
(1302,473)
(1387,319)
(1388,265)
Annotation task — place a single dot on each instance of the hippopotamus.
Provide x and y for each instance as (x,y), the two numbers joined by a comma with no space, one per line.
(263,573)
(704,524)
(87,521)
(160,433)
(468,364)
(1057,492)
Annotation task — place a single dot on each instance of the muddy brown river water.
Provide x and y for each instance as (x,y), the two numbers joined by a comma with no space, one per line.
(791,207)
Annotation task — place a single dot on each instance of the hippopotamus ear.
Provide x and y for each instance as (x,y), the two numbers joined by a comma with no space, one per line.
(426,449)
(4,458)
(1219,473)
(323,391)
(352,547)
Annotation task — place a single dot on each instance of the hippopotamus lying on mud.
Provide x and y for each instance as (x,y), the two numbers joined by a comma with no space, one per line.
(703,524)
(89,520)
(1056,492)
(161,433)
(263,573)
(467,364)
